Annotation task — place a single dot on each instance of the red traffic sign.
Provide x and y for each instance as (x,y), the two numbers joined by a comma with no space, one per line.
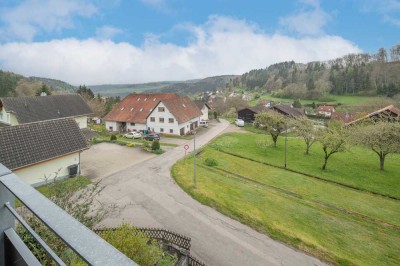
(186,147)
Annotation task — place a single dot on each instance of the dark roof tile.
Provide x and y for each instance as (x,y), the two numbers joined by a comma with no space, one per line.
(41,108)
(31,143)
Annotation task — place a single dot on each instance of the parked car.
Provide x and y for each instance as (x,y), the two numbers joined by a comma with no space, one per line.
(152,137)
(203,123)
(239,122)
(133,135)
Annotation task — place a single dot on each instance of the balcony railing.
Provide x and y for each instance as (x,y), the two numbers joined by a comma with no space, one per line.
(84,242)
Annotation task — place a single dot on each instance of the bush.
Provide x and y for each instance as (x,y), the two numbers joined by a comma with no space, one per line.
(130,145)
(134,244)
(155,145)
(113,137)
(211,162)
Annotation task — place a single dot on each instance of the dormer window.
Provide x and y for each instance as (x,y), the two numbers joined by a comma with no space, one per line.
(131,109)
(183,105)
(138,99)
(154,99)
(151,109)
(141,109)
(145,99)
(122,108)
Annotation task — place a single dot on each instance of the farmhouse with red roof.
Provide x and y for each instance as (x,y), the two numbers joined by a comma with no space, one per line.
(161,113)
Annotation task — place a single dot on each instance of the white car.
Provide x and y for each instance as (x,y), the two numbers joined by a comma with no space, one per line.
(239,122)
(203,123)
(133,135)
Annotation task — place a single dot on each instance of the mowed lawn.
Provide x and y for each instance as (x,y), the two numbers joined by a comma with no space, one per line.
(336,223)
(356,167)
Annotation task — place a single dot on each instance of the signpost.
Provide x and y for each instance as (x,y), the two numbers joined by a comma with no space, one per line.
(186,147)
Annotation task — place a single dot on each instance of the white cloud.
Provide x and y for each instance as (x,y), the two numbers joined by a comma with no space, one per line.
(310,20)
(30,17)
(220,46)
(107,32)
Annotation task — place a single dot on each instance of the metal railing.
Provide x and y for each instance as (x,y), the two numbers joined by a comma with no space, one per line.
(84,242)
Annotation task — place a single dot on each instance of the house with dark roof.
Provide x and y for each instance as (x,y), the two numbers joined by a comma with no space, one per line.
(390,113)
(161,113)
(42,150)
(204,108)
(22,110)
(248,114)
(288,110)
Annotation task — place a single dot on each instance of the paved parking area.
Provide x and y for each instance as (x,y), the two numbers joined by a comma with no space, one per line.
(104,159)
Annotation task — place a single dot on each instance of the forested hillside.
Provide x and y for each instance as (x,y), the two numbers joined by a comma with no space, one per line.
(56,85)
(354,74)
(8,83)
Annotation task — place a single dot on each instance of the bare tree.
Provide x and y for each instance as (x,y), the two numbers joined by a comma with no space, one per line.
(304,127)
(333,140)
(381,136)
(272,122)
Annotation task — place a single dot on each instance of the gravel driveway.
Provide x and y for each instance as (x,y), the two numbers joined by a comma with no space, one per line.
(148,196)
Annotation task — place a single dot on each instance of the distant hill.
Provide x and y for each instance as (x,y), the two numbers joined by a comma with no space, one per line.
(353,74)
(56,85)
(12,84)
(189,87)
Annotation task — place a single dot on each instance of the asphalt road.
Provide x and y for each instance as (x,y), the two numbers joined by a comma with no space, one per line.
(148,196)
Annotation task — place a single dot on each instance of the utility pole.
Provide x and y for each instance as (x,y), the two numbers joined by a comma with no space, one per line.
(194,159)
(286,145)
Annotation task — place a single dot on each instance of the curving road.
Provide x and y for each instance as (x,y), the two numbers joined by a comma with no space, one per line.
(147,196)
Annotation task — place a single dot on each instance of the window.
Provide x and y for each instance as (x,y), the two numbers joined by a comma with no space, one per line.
(145,99)
(170,120)
(141,109)
(171,131)
(161,109)
(161,130)
(183,105)
(154,99)
(122,108)
(131,109)
(152,119)
(161,119)
(132,124)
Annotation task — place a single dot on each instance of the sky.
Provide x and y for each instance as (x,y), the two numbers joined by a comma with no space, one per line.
(135,41)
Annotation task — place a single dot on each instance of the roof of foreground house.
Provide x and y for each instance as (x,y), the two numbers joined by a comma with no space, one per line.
(344,117)
(41,108)
(31,143)
(182,108)
(136,107)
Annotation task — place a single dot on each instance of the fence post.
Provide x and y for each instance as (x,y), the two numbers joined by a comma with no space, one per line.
(7,220)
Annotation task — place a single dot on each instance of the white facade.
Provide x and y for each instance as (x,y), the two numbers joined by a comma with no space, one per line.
(117,126)
(8,118)
(161,120)
(204,110)
(81,121)
(37,174)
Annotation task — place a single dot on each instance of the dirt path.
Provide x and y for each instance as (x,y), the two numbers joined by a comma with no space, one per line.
(148,196)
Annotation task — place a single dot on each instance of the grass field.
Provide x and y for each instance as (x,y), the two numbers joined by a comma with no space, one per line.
(341,225)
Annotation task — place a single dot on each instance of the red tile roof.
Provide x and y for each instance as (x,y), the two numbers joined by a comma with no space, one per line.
(344,117)
(182,108)
(325,108)
(135,108)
